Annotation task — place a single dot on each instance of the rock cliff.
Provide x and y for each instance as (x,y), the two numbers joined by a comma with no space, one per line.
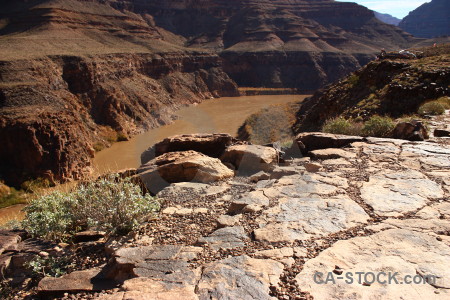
(55,111)
(429,20)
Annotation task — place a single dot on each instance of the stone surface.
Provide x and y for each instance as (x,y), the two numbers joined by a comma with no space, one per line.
(239,277)
(209,144)
(87,280)
(307,217)
(252,198)
(225,238)
(228,221)
(412,253)
(332,153)
(251,158)
(161,262)
(396,193)
(148,289)
(182,167)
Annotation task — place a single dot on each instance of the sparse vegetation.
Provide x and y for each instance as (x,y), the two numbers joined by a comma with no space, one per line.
(111,204)
(353,79)
(342,126)
(271,124)
(378,126)
(431,108)
(51,266)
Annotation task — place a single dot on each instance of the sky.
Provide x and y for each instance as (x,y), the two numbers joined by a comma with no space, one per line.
(396,8)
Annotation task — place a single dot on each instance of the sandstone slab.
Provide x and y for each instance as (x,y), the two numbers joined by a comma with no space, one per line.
(306,217)
(413,253)
(395,193)
(86,280)
(239,277)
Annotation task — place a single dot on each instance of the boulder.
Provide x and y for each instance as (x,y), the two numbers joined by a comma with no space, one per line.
(411,131)
(182,167)
(249,159)
(209,144)
(309,141)
(441,133)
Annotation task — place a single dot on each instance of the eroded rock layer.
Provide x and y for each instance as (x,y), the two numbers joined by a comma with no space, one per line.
(105,70)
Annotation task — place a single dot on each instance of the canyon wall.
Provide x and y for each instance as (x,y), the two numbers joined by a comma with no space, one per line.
(56,111)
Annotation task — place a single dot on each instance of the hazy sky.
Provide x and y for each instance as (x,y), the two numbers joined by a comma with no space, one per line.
(397,8)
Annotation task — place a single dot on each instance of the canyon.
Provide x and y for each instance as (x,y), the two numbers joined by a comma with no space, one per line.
(76,76)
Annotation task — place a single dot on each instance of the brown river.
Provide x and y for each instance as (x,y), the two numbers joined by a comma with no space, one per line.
(224,115)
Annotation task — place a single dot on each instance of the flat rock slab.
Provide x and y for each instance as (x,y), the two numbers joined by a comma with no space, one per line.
(225,238)
(151,289)
(412,253)
(253,198)
(165,262)
(176,189)
(396,193)
(87,280)
(307,184)
(239,277)
(306,217)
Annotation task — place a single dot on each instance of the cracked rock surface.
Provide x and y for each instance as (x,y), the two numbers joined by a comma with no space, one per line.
(375,205)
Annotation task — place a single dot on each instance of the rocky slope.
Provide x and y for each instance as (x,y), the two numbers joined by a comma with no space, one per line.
(428,20)
(76,75)
(335,211)
(386,87)
(387,18)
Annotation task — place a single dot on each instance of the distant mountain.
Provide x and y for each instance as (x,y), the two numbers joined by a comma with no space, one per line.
(387,18)
(428,20)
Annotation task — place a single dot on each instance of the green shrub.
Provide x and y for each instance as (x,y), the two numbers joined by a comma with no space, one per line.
(431,108)
(51,266)
(342,126)
(445,101)
(353,79)
(378,126)
(111,204)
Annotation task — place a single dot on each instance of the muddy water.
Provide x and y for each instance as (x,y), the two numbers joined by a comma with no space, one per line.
(224,115)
